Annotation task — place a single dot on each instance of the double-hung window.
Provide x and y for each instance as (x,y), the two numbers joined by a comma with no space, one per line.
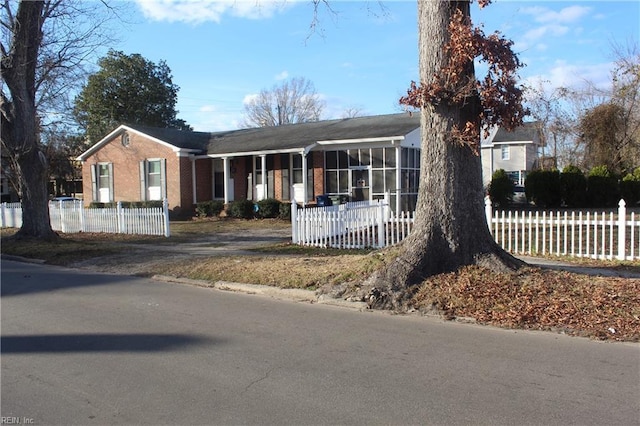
(102,182)
(504,152)
(153,179)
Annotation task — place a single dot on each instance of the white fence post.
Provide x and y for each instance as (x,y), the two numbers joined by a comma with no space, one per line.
(119,216)
(3,220)
(61,215)
(622,229)
(488,211)
(165,212)
(294,221)
(81,214)
(381,228)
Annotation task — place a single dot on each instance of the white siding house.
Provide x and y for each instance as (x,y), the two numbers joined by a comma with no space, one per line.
(516,152)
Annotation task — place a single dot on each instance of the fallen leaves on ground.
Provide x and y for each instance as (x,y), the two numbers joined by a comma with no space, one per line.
(532,298)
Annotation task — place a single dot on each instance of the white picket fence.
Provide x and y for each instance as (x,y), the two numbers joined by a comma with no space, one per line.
(578,234)
(71,217)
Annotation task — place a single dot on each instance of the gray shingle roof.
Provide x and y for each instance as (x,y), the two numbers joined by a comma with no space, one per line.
(526,132)
(298,136)
(178,138)
(288,137)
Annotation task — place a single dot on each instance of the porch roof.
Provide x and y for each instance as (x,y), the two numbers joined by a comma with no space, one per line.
(306,135)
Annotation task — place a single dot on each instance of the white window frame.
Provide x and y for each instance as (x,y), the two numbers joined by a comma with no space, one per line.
(99,193)
(153,193)
(505,152)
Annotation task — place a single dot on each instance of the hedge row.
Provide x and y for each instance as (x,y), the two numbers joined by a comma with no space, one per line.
(246,209)
(571,188)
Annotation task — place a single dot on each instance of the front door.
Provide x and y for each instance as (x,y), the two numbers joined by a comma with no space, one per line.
(360,184)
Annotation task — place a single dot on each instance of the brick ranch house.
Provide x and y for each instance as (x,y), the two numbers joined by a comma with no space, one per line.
(354,159)
(358,158)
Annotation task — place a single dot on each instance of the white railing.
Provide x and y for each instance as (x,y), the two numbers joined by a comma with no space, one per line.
(71,217)
(577,234)
(350,225)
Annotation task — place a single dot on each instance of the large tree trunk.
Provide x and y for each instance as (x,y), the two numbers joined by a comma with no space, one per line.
(20,135)
(450,230)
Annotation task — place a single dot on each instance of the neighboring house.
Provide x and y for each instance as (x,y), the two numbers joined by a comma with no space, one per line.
(358,158)
(516,152)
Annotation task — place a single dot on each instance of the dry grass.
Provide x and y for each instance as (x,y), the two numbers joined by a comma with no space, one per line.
(280,271)
(597,307)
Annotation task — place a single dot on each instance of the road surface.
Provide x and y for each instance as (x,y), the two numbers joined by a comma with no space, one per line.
(93,349)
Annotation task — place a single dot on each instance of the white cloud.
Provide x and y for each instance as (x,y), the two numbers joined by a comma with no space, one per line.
(249,98)
(282,76)
(563,74)
(200,11)
(211,118)
(566,15)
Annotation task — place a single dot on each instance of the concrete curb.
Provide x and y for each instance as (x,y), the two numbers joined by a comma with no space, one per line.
(294,294)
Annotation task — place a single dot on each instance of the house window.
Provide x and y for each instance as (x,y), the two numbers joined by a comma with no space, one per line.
(102,182)
(152,179)
(504,152)
(374,169)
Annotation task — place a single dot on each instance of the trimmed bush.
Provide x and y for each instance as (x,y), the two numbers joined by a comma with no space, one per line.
(602,188)
(268,208)
(211,208)
(501,188)
(126,204)
(285,211)
(573,185)
(543,188)
(241,209)
(630,187)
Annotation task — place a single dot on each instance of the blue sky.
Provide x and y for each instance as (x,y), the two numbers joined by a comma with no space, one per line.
(361,56)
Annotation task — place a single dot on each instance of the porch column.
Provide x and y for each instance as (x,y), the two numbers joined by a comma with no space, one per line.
(193,179)
(227,174)
(398,177)
(263,166)
(304,178)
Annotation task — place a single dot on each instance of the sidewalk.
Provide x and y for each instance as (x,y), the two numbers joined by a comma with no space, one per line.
(578,269)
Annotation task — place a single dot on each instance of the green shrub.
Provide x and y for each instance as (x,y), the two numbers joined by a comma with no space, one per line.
(573,186)
(127,204)
(501,188)
(285,211)
(211,208)
(543,188)
(241,209)
(98,205)
(602,188)
(630,187)
(268,208)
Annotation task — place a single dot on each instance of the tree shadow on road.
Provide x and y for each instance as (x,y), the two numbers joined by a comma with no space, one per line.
(136,342)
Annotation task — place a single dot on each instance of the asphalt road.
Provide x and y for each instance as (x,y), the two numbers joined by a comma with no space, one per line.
(94,349)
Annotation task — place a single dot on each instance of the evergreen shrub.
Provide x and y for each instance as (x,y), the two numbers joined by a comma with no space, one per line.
(501,188)
(543,188)
(241,209)
(573,185)
(602,188)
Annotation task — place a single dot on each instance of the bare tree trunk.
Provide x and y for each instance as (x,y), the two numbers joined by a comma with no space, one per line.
(19,121)
(450,229)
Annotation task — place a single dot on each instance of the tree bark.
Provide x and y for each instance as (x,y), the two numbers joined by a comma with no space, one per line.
(450,230)
(20,135)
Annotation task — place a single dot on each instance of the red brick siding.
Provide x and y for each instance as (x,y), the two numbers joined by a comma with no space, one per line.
(204,180)
(318,173)
(126,169)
